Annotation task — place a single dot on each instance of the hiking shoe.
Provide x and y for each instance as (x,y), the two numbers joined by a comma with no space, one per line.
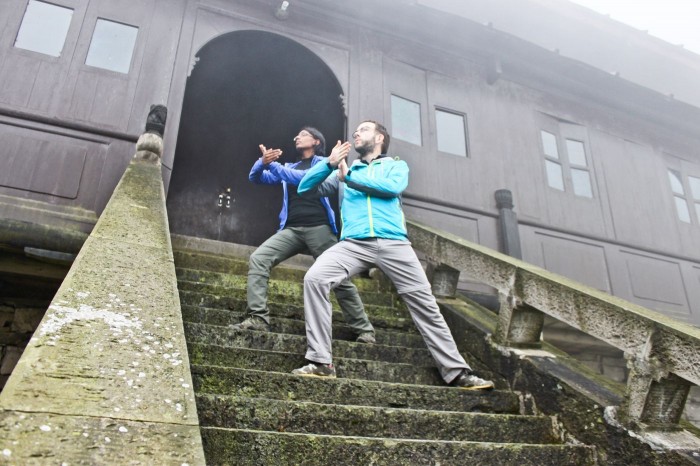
(252,323)
(366,337)
(316,369)
(468,381)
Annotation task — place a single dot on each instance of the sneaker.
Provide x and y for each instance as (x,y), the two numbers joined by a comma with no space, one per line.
(469,381)
(366,337)
(316,369)
(252,323)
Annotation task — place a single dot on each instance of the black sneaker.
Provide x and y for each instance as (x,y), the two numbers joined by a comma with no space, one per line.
(469,381)
(316,369)
(366,337)
(252,323)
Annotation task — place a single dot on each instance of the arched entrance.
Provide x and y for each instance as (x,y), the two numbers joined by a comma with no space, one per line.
(247,88)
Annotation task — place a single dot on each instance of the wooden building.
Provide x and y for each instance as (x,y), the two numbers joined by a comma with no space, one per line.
(592,125)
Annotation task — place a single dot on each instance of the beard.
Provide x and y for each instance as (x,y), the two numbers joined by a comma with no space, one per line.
(364,148)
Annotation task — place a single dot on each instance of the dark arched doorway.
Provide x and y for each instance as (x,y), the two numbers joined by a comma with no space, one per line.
(247,88)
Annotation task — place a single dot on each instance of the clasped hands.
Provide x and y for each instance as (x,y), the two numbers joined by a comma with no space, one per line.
(338,158)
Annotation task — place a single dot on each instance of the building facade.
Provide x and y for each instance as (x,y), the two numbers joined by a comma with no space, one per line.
(593,126)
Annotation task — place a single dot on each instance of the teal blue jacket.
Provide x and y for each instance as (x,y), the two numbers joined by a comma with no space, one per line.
(370,201)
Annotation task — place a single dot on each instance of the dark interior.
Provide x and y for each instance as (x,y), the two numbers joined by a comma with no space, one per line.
(247,88)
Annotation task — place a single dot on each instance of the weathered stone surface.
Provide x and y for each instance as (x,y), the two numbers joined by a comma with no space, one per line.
(283,292)
(401,423)
(111,346)
(27,319)
(407,348)
(278,306)
(244,447)
(387,329)
(44,438)
(286,362)
(284,386)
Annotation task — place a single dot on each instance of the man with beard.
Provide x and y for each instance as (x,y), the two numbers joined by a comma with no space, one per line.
(306,223)
(374,234)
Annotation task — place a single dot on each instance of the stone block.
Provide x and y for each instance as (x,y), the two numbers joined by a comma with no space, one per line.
(27,319)
(9,359)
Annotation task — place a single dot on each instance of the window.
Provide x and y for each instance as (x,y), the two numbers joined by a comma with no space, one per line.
(685,200)
(451,132)
(567,169)
(405,120)
(44,28)
(112,46)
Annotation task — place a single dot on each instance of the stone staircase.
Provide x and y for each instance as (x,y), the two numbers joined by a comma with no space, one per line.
(387,406)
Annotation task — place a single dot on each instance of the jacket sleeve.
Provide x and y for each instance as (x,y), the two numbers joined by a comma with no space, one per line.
(391,185)
(314,177)
(290,175)
(259,174)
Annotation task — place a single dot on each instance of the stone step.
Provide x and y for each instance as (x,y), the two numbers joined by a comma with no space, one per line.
(398,330)
(227,337)
(235,278)
(368,421)
(253,383)
(246,447)
(280,306)
(228,264)
(275,361)
(285,292)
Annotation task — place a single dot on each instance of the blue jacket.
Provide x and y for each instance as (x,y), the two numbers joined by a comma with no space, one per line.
(276,173)
(370,204)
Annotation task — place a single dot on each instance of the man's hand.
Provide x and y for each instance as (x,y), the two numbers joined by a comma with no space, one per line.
(339,153)
(269,155)
(342,170)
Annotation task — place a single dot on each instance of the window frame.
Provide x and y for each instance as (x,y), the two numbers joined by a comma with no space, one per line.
(564,132)
(465,128)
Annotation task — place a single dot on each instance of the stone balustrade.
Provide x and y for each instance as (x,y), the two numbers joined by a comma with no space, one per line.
(663,354)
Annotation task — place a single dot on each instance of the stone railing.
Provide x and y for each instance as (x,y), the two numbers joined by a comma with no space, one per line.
(663,354)
(105,379)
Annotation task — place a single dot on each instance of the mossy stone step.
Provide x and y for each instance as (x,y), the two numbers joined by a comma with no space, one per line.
(229,264)
(245,447)
(276,361)
(236,279)
(285,292)
(296,344)
(398,330)
(399,423)
(284,386)
(279,305)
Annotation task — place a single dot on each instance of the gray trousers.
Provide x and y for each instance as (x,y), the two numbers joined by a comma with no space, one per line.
(399,262)
(290,242)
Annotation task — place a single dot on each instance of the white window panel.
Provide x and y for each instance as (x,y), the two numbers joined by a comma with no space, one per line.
(581,180)
(405,120)
(112,46)
(451,137)
(555,178)
(682,209)
(694,187)
(44,28)
(577,152)
(676,182)
(549,144)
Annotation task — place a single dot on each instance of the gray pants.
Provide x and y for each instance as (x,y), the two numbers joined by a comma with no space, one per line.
(290,242)
(399,262)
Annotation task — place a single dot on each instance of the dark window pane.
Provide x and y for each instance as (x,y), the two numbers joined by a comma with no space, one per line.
(676,182)
(577,153)
(44,28)
(405,120)
(555,178)
(549,144)
(451,137)
(112,46)
(582,183)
